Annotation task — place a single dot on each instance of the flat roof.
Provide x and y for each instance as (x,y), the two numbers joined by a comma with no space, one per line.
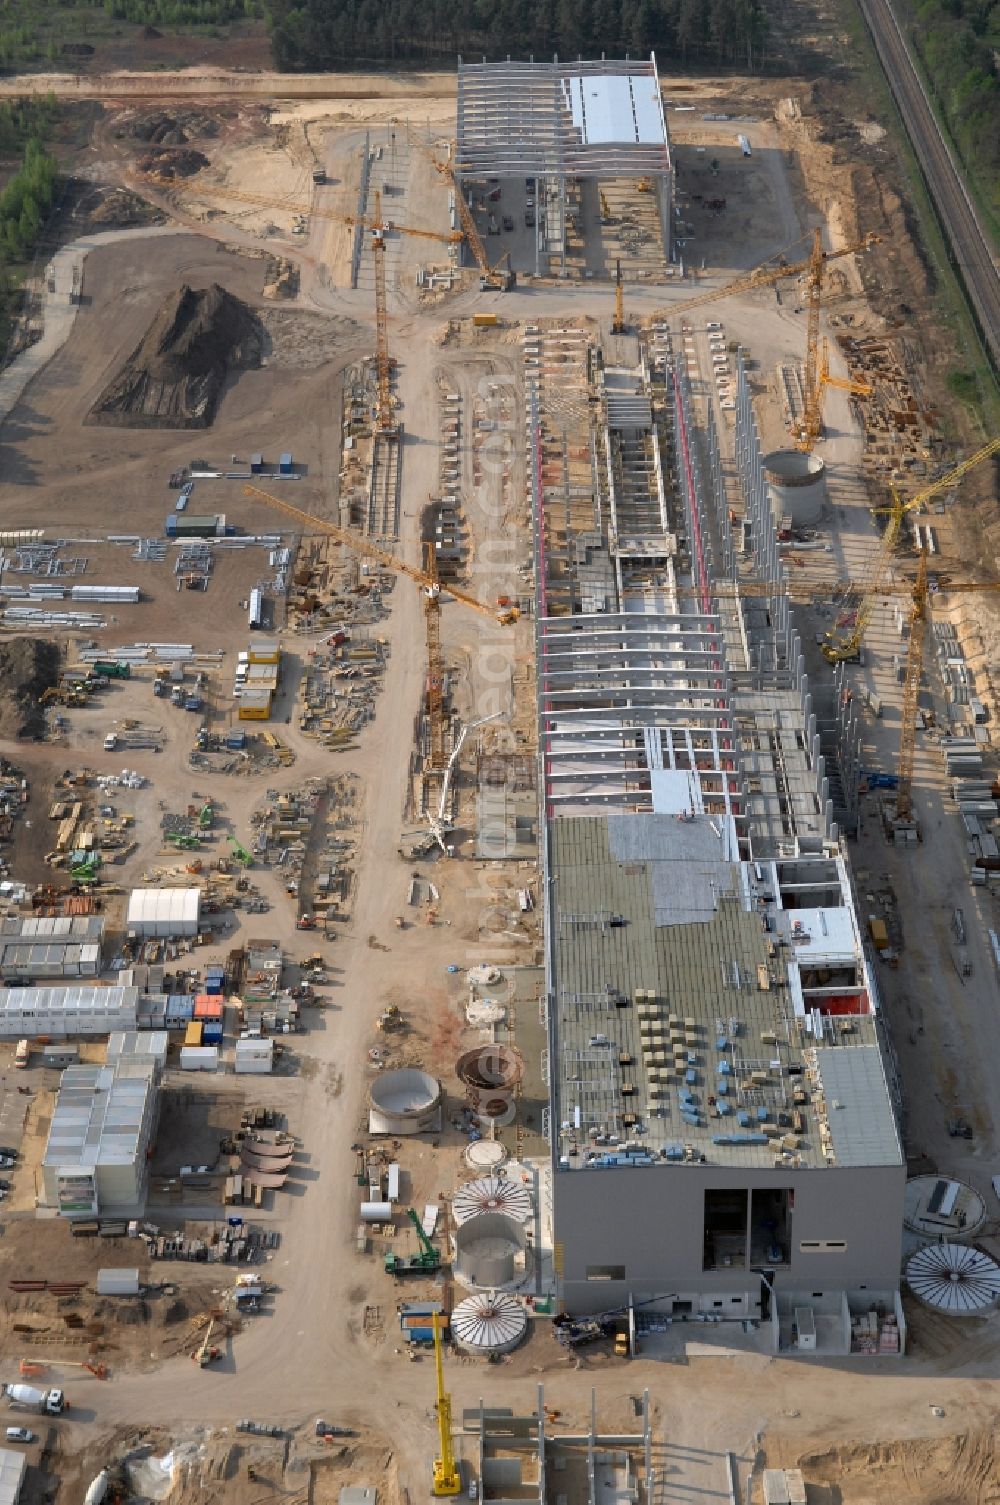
(861,1123)
(52,930)
(585,119)
(12,1467)
(672,1004)
(116,1003)
(98,1116)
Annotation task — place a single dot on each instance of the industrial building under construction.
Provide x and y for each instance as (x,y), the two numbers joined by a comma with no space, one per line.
(723,1114)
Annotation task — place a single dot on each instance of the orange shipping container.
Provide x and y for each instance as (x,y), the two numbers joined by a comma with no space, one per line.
(207,1007)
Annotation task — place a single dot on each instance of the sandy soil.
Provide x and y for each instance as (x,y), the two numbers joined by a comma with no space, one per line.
(316,1354)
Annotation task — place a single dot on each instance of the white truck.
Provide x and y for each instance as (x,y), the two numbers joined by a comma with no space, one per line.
(50,1402)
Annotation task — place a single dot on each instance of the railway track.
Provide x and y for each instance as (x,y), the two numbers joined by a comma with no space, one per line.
(969,243)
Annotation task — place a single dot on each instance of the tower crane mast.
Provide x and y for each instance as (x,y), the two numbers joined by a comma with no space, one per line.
(384,416)
(427,579)
(847,646)
(446,1478)
(813,268)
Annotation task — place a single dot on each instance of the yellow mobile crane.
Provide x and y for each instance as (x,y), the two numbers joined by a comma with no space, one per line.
(446,1477)
(499,278)
(618,324)
(429,583)
(847,645)
(813,268)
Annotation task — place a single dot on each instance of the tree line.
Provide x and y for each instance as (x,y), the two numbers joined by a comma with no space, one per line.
(331,34)
(959,43)
(26,201)
(183,12)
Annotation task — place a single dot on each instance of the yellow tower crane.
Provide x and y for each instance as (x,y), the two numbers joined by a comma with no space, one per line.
(618,326)
(911,681)
(842,383)
(446,1478)
(429,583)
(384,415)
(813,268)
(847,645)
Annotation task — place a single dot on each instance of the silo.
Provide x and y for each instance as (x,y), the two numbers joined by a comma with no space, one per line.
(488,1323)
(405,1102)
(490,1251)
(796,481)
(496,1193)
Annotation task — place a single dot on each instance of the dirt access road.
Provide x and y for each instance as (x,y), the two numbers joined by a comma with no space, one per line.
(193,83)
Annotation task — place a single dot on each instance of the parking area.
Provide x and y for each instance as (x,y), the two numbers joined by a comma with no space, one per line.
(598,223)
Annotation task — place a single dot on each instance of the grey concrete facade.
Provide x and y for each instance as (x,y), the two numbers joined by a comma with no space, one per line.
(651,1219)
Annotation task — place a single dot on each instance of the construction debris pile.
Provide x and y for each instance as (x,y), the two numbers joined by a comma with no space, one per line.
(308,834)
(899,429)
(231,1243)
(175,375)
(28,668)
(338,689)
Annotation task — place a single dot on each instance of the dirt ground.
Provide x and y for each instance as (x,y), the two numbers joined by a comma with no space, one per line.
(330,1342)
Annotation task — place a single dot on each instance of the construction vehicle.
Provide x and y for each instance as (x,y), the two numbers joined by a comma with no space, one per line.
(112,669)
(618,323)
(187,841)
(241,853)
(48,1402)
(813,268)
(206,815)
(499,278)
(446,1479)
(429,583)
(846,646)
(425,1261)
(207,1353)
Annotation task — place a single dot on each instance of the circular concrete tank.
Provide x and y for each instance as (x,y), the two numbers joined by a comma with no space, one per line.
(485,1154)
(404,1102)
(490,1074)
(498,1193)
(936,1206)
(490,1251)
(488,1323)
(797,483)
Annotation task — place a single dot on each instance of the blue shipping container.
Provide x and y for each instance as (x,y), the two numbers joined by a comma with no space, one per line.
(211,1034)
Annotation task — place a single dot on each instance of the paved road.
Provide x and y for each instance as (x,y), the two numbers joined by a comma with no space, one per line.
(971,245)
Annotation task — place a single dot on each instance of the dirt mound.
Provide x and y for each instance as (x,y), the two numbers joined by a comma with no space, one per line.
(174,377)
(28,666)
(171,162)
(919,1471)
(161,128)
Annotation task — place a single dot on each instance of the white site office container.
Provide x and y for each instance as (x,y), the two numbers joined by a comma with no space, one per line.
(254,1056)
(199,1058)
(118,1282)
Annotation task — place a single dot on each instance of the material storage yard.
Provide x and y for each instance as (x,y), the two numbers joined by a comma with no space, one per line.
(499,809)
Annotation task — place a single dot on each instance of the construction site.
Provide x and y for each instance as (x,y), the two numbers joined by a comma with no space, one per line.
(503,654)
